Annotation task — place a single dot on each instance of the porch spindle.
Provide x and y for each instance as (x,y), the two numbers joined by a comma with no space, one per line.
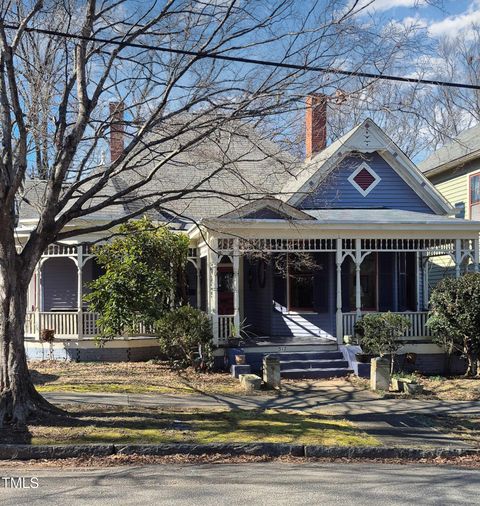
(339,318)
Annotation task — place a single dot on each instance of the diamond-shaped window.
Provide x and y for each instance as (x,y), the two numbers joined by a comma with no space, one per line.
(364,179)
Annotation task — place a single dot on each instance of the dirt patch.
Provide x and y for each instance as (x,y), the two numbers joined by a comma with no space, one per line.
(456,427)
(128,377)
(434,387)
(452,389)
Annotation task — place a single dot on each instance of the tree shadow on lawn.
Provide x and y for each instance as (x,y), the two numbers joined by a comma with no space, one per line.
(39,378)
(12,435)
(234,425)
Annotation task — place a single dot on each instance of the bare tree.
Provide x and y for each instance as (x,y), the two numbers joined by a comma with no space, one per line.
(60,92)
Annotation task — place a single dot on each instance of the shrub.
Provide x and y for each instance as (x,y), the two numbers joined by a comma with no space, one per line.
(379,334)
(455,317)
(185,337)
(143,268)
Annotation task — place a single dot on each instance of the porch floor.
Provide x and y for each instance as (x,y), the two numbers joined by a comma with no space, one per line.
(288,341)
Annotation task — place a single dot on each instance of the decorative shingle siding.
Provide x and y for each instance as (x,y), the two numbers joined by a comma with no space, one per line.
(392,192)
(265,214)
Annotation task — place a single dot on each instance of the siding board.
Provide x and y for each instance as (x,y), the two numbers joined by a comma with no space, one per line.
(392,192)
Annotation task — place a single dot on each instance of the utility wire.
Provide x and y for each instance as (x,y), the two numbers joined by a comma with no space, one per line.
(253,61)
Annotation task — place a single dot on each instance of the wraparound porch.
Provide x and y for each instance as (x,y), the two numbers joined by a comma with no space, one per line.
(229,274)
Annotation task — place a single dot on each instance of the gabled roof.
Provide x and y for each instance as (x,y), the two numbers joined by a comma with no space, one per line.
(462,149)
(281,209)
(366,137)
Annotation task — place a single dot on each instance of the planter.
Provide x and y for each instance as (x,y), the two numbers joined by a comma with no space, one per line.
(397,384)
(412,388)
(47,335)
(363,358)
(240,359)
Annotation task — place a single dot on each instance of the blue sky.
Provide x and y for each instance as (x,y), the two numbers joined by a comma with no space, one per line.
(448,19)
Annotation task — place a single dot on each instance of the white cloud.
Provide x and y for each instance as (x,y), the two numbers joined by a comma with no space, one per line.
(459,23)
(386,5)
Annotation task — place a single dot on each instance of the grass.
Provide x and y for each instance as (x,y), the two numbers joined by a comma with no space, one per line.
(127,377)
(462,427)
(100,424)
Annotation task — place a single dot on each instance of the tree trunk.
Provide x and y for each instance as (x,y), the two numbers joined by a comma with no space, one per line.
(472,357)
(18,397)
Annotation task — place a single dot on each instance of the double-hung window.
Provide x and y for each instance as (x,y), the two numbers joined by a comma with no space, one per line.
(475,196)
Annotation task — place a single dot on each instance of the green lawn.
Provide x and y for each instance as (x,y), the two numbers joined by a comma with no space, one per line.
(99,424)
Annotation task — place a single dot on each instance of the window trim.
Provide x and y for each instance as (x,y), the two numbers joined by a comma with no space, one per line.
(470,204)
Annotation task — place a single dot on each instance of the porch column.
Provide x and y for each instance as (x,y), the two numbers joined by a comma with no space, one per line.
(198,270)
(418,268)
(339,316)
(476,255)
(80,291)
(38,297)
(213,268)
(236,290)
(425,282)
(458,257)
(358,263)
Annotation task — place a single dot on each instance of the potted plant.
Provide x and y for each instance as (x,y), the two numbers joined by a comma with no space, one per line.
(380,334)
(411,386)
(47,335)
(368,351)
(347,339)
(397,383)
(407,383)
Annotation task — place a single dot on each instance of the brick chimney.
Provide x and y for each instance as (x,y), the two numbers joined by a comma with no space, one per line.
(117,130)
(315,124)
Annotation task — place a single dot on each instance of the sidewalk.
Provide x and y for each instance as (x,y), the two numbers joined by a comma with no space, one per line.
(341,400)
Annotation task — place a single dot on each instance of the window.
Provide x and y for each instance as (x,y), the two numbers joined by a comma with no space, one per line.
(475,196)
(225,286)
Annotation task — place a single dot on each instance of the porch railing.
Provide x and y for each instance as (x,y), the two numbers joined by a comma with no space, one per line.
(418,320)
(225,327)
(66,325)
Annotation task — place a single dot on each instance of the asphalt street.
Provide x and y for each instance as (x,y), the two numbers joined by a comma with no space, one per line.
(244,484)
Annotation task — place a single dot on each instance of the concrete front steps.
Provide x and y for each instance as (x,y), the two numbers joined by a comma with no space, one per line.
(311,364)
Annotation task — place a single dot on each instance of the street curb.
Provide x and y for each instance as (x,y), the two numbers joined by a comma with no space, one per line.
(51,452)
